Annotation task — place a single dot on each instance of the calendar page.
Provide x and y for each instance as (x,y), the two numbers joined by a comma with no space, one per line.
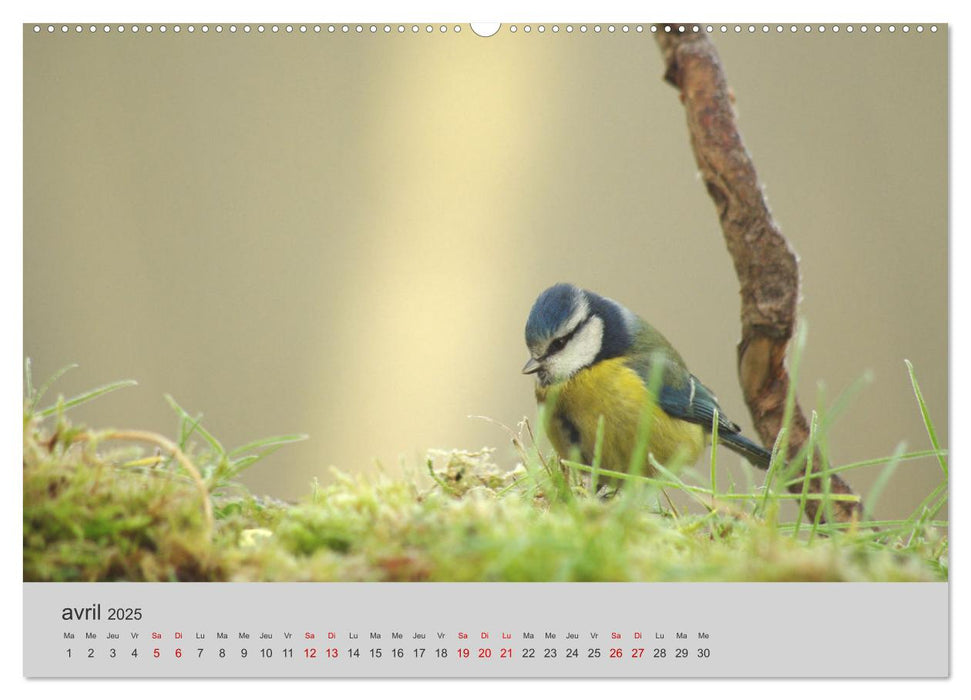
(513,350)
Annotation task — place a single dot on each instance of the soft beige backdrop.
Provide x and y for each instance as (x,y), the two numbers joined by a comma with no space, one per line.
(342,234)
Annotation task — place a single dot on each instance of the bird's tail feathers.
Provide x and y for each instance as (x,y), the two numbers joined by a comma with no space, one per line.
(738,443)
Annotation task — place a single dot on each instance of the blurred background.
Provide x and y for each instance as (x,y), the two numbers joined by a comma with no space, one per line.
(342,234)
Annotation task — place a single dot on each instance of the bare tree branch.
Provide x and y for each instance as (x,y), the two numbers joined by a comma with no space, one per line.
(765,264)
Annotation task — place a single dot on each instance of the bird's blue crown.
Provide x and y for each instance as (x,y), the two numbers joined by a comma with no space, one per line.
(551,310)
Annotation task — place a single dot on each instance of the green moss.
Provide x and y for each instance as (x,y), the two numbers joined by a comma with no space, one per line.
(95,510)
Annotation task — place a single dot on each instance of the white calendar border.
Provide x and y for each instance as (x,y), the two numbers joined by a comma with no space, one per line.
(828,10)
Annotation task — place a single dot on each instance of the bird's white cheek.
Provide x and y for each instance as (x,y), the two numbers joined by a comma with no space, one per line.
(580,352)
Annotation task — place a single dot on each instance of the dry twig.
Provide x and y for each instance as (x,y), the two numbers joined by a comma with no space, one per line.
(765,264)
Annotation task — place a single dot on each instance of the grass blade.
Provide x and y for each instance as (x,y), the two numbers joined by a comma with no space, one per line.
(85,397)
(844,399)
(47,385)
(28,382)
(928,425)
(780,450)
(598,449)
(813,426)
(275,441)
(645,424)
(907,457)
(196,426)
(711,465)
(871,500)
(270,445)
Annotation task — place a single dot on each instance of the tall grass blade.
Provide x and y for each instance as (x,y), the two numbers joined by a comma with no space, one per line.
(196,426)
(85,397)
(598,449)
(28,382)
(869,506)
(807,476)
(275,442)
(928,425)
(711,464)
(47,385)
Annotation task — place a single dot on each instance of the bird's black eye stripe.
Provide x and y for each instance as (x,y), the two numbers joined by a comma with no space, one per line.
(558,344)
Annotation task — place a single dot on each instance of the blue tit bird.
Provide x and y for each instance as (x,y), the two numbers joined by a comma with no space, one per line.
(593,357)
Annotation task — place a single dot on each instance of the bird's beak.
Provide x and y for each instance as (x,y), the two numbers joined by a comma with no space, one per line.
(532,366)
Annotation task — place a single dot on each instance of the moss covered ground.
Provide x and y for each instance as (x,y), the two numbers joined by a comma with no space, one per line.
(116,505)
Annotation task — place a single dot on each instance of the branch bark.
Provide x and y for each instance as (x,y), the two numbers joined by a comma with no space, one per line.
(765,264)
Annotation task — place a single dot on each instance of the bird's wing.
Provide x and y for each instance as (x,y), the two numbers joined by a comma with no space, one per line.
(683,396)
(694,402)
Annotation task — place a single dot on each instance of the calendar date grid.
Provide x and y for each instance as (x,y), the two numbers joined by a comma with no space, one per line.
(331,647)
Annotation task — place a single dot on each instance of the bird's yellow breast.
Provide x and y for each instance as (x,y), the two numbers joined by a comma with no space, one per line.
(612,389)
